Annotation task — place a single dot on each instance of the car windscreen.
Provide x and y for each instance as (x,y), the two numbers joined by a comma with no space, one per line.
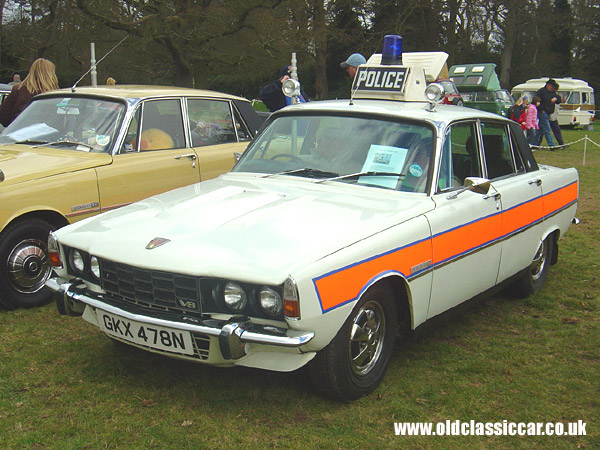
(368,151)
(75,123)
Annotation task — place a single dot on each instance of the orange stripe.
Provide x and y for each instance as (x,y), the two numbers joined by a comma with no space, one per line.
(345,285)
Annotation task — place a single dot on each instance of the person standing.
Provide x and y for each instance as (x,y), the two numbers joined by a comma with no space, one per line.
(16,79)
(518,112)
(548,101)
(531,121)
(272,94)
(41,78)
(554,121)
(352,63)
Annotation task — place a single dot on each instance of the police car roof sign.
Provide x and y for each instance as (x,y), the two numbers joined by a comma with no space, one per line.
(406,82)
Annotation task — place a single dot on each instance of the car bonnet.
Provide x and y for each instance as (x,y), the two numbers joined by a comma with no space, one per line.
(244,227)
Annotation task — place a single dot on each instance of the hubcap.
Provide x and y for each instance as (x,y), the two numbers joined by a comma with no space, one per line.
(539,261)
(28,266)
(366,338)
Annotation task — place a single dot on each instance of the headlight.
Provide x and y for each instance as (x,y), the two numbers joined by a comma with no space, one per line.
(234,296)
(77,261)
(434,92)
(291,88)
(270,302)
(95,267)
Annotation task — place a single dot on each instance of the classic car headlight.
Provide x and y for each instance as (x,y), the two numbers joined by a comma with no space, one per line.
(77,261)
(54,251)
(95,267)
(270,301)
(234,296)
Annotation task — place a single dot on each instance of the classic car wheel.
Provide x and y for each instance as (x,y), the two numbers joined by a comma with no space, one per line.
(24,265)
(353,363)
(534,277)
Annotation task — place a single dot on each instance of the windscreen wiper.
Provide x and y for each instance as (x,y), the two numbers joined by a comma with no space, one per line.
(362,174)
(307,171)
(31,141)
(57,143)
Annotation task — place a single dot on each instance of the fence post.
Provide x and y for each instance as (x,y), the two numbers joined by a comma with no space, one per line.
(585,148)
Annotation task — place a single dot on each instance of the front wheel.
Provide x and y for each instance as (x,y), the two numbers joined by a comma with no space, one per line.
(534,277)
(24,264)
(354,362)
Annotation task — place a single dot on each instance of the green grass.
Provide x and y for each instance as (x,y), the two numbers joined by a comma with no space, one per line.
(64,385)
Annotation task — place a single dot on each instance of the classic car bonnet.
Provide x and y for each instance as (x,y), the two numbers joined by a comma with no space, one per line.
(242,226)
(20,164)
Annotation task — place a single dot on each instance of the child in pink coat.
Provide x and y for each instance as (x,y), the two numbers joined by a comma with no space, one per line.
(531,121)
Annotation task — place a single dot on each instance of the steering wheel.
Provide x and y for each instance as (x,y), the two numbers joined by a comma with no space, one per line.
(288,155)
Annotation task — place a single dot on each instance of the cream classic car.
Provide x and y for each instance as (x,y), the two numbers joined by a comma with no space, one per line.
(77,152)
(344,225)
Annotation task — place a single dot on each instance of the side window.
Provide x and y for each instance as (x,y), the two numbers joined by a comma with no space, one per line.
(240,127)
(517,155)
(460,158)
(162,125)
(210,122)
(497,150)
(586,97)
(130,143)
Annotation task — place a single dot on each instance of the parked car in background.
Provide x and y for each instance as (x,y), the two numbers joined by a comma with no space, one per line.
(577,106)
(344,225)
(4,90)
(451,94)
(72,154)
(480,88)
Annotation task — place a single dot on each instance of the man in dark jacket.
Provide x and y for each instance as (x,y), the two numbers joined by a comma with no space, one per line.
(272,95)
(549,98)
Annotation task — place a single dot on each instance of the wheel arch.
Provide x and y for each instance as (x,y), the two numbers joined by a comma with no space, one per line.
(554,234)
(54,218)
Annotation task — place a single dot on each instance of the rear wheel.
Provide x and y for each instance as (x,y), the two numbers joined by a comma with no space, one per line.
(24,264)
(534,277)
(354,362)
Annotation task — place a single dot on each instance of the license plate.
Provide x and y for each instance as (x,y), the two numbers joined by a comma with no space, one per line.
(161,338)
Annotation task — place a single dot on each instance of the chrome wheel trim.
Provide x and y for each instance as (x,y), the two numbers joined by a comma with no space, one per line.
(366,338)
(539,261)
(28,266)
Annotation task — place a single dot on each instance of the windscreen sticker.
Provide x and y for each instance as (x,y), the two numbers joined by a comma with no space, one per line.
(102,139)
(415,170)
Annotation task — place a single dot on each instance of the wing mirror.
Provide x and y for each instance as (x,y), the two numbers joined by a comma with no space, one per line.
(474,184)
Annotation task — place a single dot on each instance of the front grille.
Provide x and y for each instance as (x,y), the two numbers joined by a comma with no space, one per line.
(152,287)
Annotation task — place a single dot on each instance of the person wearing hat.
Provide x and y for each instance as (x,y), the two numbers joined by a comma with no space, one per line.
(554,121)
(272,94)
(352,63)
(548,101)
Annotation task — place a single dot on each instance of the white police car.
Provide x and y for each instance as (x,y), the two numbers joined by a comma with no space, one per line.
(344,225)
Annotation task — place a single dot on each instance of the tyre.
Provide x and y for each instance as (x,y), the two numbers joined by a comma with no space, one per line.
(534,277)
(354,362)
(24,264)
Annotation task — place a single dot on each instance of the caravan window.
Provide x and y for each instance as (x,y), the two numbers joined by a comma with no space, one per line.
(574,98)
(585,98)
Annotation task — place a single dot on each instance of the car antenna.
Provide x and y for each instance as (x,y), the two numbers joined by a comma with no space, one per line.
(99,61)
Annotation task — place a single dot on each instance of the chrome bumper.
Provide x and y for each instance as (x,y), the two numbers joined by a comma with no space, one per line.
(233,334)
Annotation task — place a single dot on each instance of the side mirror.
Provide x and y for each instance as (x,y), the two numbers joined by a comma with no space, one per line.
(474,184)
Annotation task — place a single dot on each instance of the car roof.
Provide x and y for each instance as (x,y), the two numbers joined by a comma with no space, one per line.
(141,92)
(393,108)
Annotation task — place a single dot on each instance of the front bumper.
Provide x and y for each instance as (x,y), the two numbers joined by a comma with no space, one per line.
(233,334)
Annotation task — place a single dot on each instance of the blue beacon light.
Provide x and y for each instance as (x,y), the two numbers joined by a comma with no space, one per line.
(392,49)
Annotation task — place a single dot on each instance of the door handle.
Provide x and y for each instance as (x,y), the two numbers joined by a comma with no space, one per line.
(536,181)
(495,196)
(191,156)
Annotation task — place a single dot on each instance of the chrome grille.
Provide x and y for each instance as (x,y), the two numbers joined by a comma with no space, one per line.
(152,287)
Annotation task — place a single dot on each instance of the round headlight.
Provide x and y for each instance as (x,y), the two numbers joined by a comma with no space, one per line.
(95,267)
(270,302)
(77,261)
(434,92)
(234,296)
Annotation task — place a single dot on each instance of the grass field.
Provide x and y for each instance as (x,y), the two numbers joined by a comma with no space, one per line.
(64,385)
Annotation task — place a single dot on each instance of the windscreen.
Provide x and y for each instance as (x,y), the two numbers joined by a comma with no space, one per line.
(373,152)
(75,123)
